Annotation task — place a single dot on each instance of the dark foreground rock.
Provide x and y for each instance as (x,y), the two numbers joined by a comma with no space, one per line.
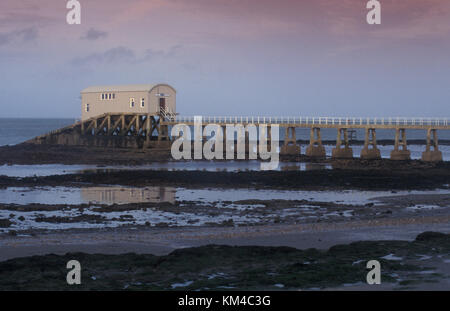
(216,267)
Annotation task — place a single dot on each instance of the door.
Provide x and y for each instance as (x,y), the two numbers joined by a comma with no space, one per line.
(162,104)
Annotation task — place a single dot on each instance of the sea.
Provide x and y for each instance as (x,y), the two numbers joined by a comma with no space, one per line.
(16,131)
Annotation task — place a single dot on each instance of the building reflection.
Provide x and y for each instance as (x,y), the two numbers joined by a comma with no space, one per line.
(123,195)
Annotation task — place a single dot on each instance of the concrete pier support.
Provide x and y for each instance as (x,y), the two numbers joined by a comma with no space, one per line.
(342,150)
(269,138)
(290,146)
(315,148)
(370,140)
(224,133)
(241,145)
(403,153)
(432,155)
(147,131)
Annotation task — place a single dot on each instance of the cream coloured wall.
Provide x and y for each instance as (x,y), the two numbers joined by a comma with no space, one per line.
(170,98)
(121,102)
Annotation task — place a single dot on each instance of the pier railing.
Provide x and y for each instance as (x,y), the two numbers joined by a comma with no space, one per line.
(355,121)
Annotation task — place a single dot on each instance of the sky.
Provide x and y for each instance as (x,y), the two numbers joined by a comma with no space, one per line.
(230,57)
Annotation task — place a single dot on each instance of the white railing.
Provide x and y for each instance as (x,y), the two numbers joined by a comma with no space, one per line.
(167,114)
(359,121)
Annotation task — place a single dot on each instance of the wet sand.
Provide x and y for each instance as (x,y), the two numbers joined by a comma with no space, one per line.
(160,241)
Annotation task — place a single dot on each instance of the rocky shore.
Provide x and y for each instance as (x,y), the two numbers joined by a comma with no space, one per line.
(405,265)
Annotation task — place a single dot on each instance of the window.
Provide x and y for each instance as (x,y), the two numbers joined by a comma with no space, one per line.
(103,96)
(142,102)
(114,95)
(131,102)
(87,108)
(110,96)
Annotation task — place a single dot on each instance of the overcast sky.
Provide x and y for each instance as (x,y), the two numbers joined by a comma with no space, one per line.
(230,57)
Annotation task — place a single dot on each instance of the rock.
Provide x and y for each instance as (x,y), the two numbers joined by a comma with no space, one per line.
(430,235)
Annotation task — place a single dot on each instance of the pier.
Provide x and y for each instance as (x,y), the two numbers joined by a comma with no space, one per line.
(134,130)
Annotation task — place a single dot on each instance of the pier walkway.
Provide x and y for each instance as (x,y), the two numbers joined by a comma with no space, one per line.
(126,127)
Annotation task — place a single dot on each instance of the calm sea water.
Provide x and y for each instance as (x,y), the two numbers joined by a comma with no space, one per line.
(15,131)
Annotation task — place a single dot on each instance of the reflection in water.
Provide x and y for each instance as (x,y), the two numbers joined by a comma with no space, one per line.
(120,195)
(213,166)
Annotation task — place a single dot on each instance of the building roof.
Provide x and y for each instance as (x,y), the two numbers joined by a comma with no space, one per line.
(123,88)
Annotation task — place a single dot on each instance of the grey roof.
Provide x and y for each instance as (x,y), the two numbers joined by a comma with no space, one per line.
(121,88)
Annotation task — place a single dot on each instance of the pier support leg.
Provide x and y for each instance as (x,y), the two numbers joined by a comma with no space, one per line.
(370,140)
(247,143)
(163,131)
(122,125)
(315,148)
(432,155)
(241,145)
(290,146)
(147,131)
(402,154)
(224,133)
(342,150)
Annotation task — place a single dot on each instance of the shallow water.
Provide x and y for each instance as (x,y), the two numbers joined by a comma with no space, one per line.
(215,206)
(211,166)
(121,195)
(30,220)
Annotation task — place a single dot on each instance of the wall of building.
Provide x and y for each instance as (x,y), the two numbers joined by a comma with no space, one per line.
(121,102)
(170,98)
